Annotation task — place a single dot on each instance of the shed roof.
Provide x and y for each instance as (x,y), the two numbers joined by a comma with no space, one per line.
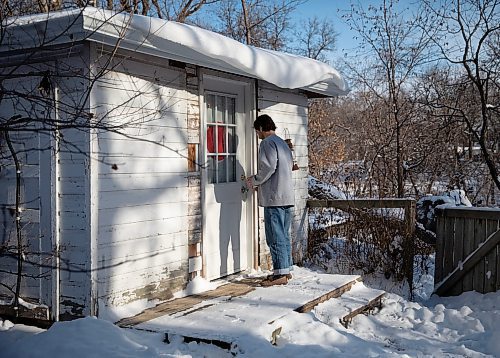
(169,39)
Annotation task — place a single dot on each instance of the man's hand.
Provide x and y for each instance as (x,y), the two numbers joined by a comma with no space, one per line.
(249,182)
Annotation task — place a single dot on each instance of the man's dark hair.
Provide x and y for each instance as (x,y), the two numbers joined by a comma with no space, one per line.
(264,123)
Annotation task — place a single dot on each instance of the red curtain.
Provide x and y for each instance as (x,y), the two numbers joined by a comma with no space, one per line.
(220,141)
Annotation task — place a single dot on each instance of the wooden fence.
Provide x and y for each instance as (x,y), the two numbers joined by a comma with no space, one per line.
(467,251)
(408,205)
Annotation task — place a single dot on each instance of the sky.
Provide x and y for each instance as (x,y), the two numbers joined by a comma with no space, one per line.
(330,9)
(333,9)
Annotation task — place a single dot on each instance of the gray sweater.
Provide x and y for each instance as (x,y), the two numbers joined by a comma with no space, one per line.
(274,173)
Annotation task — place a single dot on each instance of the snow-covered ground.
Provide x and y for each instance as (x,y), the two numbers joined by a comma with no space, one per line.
(463,326)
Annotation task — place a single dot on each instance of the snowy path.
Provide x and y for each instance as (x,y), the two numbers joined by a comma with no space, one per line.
(463,326)
(254,316)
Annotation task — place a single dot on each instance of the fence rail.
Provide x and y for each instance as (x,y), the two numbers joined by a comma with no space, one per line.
(344,204)
(467,251)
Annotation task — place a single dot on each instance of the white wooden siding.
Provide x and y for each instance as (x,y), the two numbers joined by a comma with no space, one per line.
(27,146)
(142,187)
(136,181)
(74,224)
(114,234)
(73,196)
(289,110)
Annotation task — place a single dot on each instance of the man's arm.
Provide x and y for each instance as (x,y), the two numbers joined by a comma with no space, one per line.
(267,164)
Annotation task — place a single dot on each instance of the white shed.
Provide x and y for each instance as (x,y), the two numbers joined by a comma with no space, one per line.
(132,134)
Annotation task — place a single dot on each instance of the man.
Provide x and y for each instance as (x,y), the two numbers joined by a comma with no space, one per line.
(275,193)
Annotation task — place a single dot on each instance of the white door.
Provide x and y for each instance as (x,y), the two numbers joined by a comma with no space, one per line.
(226,242)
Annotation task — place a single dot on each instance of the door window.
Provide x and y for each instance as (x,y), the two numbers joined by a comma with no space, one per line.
(221,138)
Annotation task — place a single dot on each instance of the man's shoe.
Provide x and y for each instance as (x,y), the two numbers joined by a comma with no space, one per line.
(274,280)
(288,276)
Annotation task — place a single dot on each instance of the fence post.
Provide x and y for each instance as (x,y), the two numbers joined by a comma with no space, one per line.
(408,244)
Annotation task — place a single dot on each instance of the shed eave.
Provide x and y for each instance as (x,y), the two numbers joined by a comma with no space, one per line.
(181,42)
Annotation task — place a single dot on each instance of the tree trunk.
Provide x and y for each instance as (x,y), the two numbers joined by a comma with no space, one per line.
(248,36)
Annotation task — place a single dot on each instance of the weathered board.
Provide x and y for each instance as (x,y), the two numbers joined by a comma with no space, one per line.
(141,188)
(254,316)
(467,250)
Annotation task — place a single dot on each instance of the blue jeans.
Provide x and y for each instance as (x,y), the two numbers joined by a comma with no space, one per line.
(277,220)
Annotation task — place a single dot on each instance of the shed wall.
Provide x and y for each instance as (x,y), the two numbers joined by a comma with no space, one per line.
(141,187)
(288,109)
(26,146)
(46,213)
(72,190)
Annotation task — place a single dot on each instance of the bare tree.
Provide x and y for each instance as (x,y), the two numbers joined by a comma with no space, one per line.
(176,10)
(393,48)
(468,41)
(256,22)
(316,38)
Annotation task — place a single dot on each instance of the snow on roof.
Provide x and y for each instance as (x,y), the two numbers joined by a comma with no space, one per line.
(194,45)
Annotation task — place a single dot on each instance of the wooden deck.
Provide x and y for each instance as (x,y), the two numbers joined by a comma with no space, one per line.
(244,311)
(185,304)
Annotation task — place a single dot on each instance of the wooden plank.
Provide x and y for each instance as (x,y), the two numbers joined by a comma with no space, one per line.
(448,246)
(491,260)
(410,216)
(376,302)
(408,244)
(284,109)
(120,145)
(479,237)
(75,257)
(332,294)
(129,181)
(473,213)
(72,185)
(149,199)
(296,125)
(162,130)
(272,93)
(38,315)
(113,233)
(468,247)
(360,203)
(72,203)
(192,158)
(73,220)
(233,319)
(142,246)
(477,257)
(141,153)
(498,268)
(109,265)
(130,287)
(145,165)
(229,290)
(458,251)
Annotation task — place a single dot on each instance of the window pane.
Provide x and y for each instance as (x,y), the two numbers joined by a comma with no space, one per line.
(231,140)
(231,110)
(221,169)
(216,139)
(221,139)
(210,108)
(221,109)
(211,138)
(211,170)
